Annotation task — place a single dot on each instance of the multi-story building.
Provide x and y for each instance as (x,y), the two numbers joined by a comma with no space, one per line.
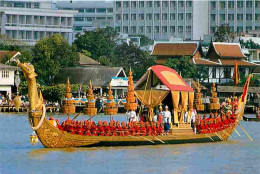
(30,21)
(91,14)
(241,15)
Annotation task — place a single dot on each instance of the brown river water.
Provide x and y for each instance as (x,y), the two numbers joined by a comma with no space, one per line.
(238,155)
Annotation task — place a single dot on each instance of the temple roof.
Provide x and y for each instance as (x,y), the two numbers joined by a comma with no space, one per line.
(99,75)
(200,61)
(228,62)
(8,67)
(85,60)
(225,50)
(176,49)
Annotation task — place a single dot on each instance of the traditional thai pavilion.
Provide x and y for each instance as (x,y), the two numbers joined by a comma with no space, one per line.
(161,84)
(220,61)
(87,61)
(166,50)
(100,77)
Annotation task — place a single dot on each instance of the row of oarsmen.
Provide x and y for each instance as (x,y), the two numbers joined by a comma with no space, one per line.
(90,128)
(214,123)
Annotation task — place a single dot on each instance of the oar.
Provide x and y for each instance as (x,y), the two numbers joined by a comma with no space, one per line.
(76,116)
(237,132)
(250,138)
(209,137)
(219,136)
(159,140)
(141,137)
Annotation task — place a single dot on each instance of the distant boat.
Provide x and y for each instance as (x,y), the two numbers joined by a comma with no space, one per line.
(52,137)
(251,119)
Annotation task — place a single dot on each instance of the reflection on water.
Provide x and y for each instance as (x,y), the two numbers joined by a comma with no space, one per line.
(238,155)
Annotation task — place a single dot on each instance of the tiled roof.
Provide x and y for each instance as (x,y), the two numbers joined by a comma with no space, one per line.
(8,67)
(84,60)
(175,49)
(228,50)
(200,61)
(228,62)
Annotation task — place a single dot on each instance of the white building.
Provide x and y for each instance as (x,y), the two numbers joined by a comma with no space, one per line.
(29,21)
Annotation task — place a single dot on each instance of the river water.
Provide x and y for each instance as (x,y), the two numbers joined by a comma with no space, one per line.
(17,155)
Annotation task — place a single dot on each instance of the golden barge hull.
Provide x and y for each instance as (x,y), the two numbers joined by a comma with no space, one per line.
(52,137)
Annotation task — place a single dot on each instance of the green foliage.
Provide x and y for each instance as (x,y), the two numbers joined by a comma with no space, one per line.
(224,34)
(131,56)
(5,58)
(50,55)
(86,53)
(100,42)
(249,44)
(105,61)
(144,40)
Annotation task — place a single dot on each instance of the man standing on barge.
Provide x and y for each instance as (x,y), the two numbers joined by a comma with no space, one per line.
(167,118)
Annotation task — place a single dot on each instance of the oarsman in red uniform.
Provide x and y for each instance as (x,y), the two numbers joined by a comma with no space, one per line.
(159,128)
(131,129)
(153,126)
(80,129)
(142,129)
(106,128)
(204,126)
(198,123)
(63,125)
(119,129)
(148,129)
(94,133)
(124,128)
(58,125)
(136,128)
(100,128)
(88,133)
(72,128)
(93,128)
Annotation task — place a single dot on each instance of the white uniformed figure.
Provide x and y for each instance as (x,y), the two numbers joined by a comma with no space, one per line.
(133,117)
(167,119)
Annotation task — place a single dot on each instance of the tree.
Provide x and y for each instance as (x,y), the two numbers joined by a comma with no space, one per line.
(100,42)
(50,55)
(132,56)
(250,44)
(144,40)
(224,34)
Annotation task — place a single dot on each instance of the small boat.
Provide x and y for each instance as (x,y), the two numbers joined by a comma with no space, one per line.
(52,137)
(251,119)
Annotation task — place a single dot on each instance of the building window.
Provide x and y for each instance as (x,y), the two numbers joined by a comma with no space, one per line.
(19,4)
(118,5)
(141,4)
(148,17)
(165,4)
(249,4)
(188,16)
(109,10)
(214,72)
(156,16)
(141,29)
(257,16)
(125,29)
(133,4)
(125,16)
(28,5)
(188,4)
(180,29)
(172,16)
(117,29)
(213,5)
(240,4)
(36,5)
(172,4)
(188,29)
(172,29)
(118,17)
(79,19)
(141,17)
(164,29)
(248,16)
(164,16)
(240,17)
(231,4)
(101,10)
(248,28)
(125,4)
(213,17)
(156,3)
(231,17)
(81,10)
(5,74)
(156,29)
(133,29)
(222,4)
(227,73)
(257,4)
(180,16)
(240,29)
(212,30)
(133,17)
(222,17)
(148,29)
(149,3)
(180,4)
(78,28)
(90,10)
(89,19)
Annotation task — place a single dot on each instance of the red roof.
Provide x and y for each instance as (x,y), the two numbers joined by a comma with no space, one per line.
(200,61)
(11,53)
(228,62)
(171,78)
(228,50)
(175,49)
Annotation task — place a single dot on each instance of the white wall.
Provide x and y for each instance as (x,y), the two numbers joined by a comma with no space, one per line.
(200,19)
(7,81)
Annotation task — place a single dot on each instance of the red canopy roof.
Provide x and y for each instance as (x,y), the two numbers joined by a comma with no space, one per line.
(171,78)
